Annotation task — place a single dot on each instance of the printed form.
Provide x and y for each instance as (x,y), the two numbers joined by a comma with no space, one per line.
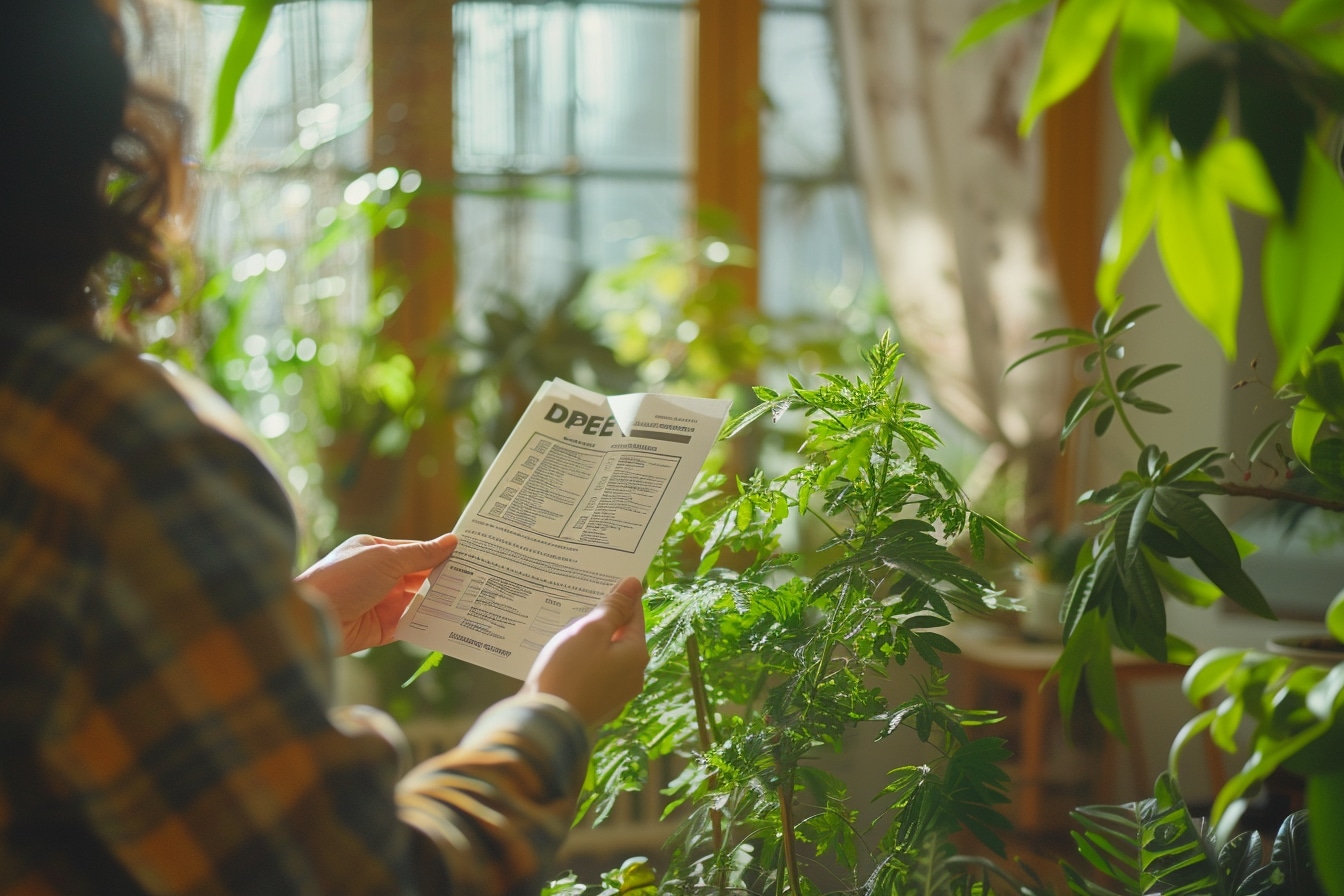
(580,497)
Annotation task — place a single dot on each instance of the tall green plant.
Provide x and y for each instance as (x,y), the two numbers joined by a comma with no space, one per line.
(1281,80)
(764,660)
(1153,515)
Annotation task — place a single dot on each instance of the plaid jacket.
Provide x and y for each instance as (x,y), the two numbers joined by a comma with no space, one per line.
(164,725)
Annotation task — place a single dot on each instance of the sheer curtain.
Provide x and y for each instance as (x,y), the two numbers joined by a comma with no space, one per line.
(953,203)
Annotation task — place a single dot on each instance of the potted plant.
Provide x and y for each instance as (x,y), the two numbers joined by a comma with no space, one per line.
(1043,583)
(1281,79)
(769,656)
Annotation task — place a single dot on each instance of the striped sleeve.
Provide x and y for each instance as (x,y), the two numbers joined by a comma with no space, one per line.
(496,808)
(192,728)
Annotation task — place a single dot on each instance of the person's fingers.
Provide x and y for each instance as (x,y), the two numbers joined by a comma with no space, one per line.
(618,608)
(416,556)
(633,630)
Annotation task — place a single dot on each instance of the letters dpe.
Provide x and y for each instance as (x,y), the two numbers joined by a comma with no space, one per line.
(591,426)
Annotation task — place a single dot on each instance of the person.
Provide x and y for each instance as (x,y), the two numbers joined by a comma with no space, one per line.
(164,676)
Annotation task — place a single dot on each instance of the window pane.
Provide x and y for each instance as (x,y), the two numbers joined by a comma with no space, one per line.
(803,132)
(513,80)
(513,239)
(815,249)
(307,88)
(618,213)
(631,90)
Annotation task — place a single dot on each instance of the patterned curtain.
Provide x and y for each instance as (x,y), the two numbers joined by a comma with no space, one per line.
(953,201)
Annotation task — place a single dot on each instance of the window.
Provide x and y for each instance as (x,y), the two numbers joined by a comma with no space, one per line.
(575,127)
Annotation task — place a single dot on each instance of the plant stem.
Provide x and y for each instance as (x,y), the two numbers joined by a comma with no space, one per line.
(1114,396)
(790,845)
(697,675)
(1274,494)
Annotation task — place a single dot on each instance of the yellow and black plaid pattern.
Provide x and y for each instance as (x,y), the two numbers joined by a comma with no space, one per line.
(164,723)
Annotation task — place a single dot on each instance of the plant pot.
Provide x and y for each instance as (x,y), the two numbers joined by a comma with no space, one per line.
(1310,648)
(1043,601)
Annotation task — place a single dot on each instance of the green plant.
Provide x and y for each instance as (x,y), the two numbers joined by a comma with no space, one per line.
(1156,514)
(311,371)
(1296,722)
(1156,846)
(1284,76)
(765,660)
(1054,555)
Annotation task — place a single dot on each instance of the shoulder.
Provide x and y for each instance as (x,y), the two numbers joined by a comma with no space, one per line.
(99,420)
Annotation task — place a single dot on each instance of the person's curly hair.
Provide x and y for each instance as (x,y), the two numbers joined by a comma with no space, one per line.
(92,163)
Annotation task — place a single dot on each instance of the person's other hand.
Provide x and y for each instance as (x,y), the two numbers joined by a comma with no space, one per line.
(596,664)
(370,581)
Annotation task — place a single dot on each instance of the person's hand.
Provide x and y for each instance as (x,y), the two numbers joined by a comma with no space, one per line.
(370,581)
(596,664)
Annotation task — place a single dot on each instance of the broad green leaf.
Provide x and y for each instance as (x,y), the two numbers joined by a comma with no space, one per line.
(1163,542)
(1237,170)
(1073,334)
(1191,517)
(1152,461)
(1188,464)
(735,425)
(242,49)
(1276,118)
(1191,100)
(1324,697)
(1304,267)
(1180,651)
(430,662)
(1325,829)
(1327,464)
(1210,672)
(1116,325)
(1323,381)
(1186,588)
(1334,617)
(1101,688)
(1245,547)
(1239,858)
(1259,442)
(1232,579)
(1042,351)
(1207,17)
(1131,223)
(1077,37)
(1307,421)
(1141,404)
(995,18)
(1088,654)
(1083,592)
(1200,253)
(1266,756)
(1189,731)
(1308,15)
(1226,722)
(1324,47)
(1144,49)
(1149,628)
(1086,400)
(1137,375)
(1129,529)
(1103,421)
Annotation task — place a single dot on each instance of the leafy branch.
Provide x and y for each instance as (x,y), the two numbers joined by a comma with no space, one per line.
(1153,515)
(763,659)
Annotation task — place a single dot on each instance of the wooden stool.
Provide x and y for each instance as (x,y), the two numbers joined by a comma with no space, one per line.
(999,657)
